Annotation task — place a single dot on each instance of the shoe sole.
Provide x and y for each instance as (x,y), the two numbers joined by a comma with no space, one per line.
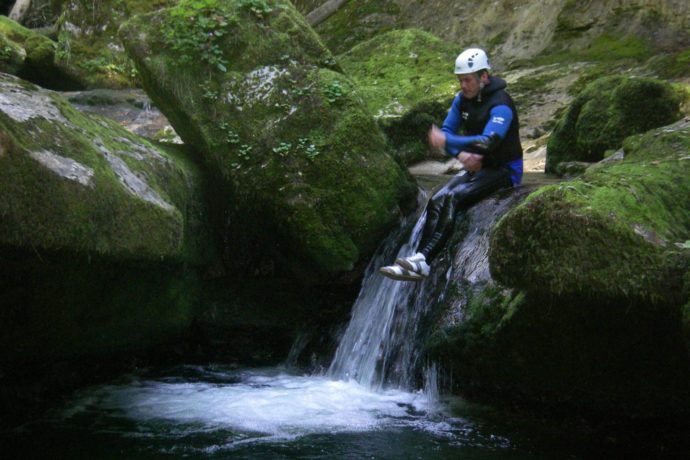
(409,267)
(405,264)
(397,277)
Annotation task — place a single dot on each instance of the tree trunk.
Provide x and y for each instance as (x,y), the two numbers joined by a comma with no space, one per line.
(320,14)
(19,10)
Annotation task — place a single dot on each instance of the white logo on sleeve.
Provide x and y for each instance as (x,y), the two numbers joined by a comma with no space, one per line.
(498,120)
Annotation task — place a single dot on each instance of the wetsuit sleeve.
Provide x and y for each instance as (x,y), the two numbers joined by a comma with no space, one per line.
(451,125)
(500,118)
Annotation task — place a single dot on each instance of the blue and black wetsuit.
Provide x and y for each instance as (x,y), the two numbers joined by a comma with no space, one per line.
(489,126)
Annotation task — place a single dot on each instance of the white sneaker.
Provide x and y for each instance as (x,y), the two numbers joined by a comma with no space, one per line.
(416,263)
(399,273)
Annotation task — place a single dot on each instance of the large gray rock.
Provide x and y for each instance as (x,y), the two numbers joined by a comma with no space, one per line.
(102,189)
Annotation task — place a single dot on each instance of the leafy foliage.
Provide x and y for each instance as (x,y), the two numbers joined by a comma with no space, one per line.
(258,7)
(608,110)
(334,91)
(195,30)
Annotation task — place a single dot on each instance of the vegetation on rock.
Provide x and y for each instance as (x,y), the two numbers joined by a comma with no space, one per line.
(609,231)
(303,165)
(88,48)
(102,189)
(405,77)
(589,308)
(29,55)
(401,68)
(607,111)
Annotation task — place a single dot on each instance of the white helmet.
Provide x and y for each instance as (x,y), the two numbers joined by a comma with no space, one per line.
(471,60)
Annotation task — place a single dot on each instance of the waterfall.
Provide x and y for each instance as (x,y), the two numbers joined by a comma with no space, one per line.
(379,346)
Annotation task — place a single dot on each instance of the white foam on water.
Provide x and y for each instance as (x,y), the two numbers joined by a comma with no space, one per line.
(263,404)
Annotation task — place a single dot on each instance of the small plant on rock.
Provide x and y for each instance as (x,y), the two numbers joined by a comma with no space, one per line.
(194,31)
(308,148)
(282,149)
(334,91)
(259,8)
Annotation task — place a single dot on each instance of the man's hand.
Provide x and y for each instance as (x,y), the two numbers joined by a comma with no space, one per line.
(470,161)
(437,138)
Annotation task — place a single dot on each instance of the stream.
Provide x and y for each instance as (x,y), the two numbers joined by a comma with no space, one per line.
(218,411)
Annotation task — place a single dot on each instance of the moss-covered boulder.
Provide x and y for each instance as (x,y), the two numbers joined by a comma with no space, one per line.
(82,183)
(398,69)
(607,111)
(308,185)
(586,311)
(406,79)
(30,55)
(88,48)
(102,234)
(608,234)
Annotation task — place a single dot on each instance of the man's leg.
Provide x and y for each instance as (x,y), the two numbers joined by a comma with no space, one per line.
(458,194)
(438,208)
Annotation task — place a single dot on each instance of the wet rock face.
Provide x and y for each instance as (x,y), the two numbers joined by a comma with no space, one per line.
(303,166)
(607,111)
(102,188)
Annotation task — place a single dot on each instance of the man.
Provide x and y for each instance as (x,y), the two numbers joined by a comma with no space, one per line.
(489,149)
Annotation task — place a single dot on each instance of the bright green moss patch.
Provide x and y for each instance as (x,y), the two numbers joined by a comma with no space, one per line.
(606,235)
(406,79)
(398,69)
(24,52)
(607,111)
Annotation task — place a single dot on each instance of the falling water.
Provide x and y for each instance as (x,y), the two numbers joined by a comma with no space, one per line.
(379,346)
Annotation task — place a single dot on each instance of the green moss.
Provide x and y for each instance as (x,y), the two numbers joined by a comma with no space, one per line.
(316,189)
(11,56)
(47,210)
(398,69)
(358,21)
(604,236)
(406,80)
(670,65)
(23,50)
(407,135)
(14,31)
(608,110)
(603,49)
(88,48)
